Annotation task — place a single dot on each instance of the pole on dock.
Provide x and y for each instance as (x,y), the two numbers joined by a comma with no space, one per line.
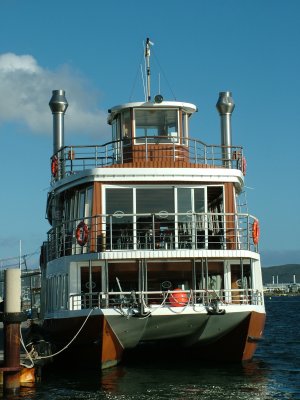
(12,318)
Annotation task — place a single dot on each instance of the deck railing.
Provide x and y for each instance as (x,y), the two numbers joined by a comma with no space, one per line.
(213,300)
(154,232)
(73,159)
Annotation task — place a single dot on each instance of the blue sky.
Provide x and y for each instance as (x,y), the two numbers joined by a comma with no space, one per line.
(93,50)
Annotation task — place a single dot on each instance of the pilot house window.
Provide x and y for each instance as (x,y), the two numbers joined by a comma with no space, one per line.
(158,126)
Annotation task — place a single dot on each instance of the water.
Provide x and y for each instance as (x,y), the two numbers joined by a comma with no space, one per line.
(274,372)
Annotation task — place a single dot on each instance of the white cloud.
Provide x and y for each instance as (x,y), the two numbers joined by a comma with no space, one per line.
(26,89)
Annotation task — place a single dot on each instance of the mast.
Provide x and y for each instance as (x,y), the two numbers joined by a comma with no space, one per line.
(147,57)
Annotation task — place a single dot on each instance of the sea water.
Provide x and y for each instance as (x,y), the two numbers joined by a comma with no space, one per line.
(274,372)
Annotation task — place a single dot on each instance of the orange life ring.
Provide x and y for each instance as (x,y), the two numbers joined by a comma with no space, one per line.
(255,232)
(82,233)
(54,166)
(179,298)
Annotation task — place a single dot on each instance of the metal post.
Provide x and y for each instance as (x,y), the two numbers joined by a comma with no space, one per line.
(12,318)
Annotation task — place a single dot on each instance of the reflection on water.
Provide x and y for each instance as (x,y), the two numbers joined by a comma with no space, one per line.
(186,382)
(273,374)
(165,381)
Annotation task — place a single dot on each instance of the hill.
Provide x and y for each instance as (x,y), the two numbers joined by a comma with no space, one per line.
(285,273)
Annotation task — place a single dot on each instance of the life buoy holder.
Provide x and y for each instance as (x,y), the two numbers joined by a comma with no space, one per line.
(54,166)
(82,233)
(255,232)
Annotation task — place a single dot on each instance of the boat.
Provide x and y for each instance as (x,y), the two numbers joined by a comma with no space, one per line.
(152,251)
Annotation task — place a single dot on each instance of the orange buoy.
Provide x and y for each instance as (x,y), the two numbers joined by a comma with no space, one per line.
(179,298)
(255,232)
(82,233)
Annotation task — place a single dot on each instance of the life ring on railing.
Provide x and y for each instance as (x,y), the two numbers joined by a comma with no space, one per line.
(179,298)
(82,233)
(54,166)
(255,232)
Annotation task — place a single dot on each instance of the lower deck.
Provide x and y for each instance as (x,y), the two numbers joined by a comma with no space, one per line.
(76,283)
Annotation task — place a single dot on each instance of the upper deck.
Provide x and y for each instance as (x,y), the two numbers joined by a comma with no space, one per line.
(148,135)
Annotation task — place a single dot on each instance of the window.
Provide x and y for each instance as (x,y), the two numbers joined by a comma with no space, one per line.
(158,126)
(119,226)
(164,217)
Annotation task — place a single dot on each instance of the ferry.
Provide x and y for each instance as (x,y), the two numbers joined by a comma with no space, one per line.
(151,249)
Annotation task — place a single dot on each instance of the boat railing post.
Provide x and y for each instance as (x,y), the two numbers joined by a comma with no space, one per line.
(205,154)
(248,233)
(122,151)
(106,158)
(110,232)
(95,233)
(146,149)
(153,231)
(96,156)
(196,153)
(174,155)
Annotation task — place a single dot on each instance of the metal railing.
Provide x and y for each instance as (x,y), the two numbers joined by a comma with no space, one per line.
(155,299)
(73,159)
(155,232)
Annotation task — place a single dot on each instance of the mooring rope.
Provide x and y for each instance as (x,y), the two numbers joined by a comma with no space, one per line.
(58,352)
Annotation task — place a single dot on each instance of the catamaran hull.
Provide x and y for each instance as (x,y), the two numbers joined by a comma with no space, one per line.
(106,340)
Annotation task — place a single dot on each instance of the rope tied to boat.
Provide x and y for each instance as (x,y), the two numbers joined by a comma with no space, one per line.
(33,354)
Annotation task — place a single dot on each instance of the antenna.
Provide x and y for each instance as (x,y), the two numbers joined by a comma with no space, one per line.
(147,57)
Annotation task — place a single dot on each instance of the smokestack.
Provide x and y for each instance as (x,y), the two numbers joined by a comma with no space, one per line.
(225,106)
(58,105)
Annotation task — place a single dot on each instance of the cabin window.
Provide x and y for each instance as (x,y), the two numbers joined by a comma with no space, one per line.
(165,275)
(79,205)
(210,276)
(116,129)
(126,125)
(91,285)
(123,277)
(191,221)
(155,230)
(119,226)
(156,126)
(164,217)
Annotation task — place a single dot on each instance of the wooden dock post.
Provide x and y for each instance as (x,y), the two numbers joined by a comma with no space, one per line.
(12,318)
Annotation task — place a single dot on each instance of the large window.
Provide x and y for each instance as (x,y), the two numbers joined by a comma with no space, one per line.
(158,126)
(163,217)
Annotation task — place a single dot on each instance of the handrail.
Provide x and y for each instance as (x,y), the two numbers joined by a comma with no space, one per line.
(145,232)
(73,159)
(161,299)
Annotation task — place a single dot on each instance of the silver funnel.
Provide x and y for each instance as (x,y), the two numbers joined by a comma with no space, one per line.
(225,106)
(58,104)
